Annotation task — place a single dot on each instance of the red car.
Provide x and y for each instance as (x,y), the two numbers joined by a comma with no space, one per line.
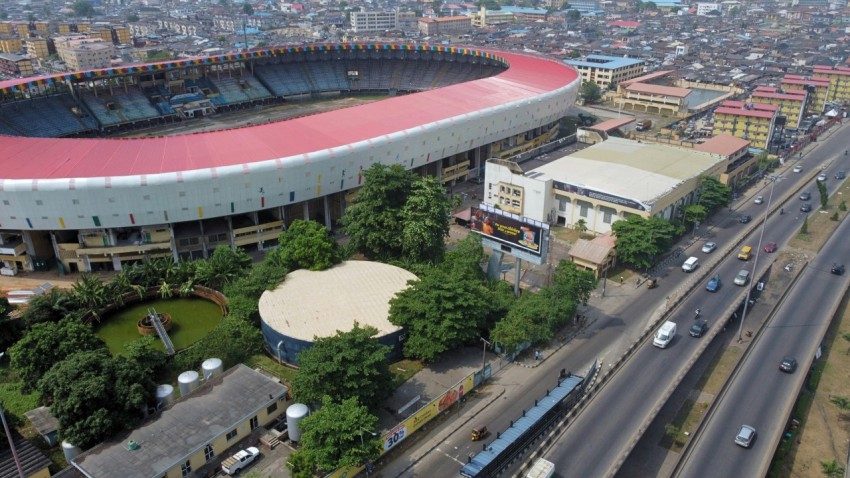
(770,247)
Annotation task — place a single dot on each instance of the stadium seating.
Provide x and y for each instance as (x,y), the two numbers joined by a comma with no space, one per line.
(239,90)
(283,80)
(126,107)
(44,117)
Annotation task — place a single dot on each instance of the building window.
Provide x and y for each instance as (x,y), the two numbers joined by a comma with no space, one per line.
(271,408)
(606,215)
(186,468)
(209,454)
(232,434)
(582,210)
(254,422)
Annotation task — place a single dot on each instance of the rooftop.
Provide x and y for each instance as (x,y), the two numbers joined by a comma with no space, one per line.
(184,428)
(723,144)
(312,304)
(671,91)
(605,62)
(630,169)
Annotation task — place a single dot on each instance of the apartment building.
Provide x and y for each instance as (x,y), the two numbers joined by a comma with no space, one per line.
(791,102)
(15,65)
(11,44)
(751,121)
(839,82)
(818,89)
(37,47)
(364,21)
(606,71)
(80,52)
(445,25)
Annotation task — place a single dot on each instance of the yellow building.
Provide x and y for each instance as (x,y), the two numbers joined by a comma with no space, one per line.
(445,25)
(16,65)
(104,34)
(751,121)
(6,28)
(818,89)
(487,18)
(123,34)
(739,162)
(37,47)
(11,45)
(23,29)
(791,102)
(196,432)
(839,82)
(66,28)
(81,53)
(606,71)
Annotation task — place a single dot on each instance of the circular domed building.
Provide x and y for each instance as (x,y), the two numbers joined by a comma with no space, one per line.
(312,304)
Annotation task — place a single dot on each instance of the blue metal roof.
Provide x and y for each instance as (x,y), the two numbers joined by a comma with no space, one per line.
(531,417)
(524,10)
(604,61)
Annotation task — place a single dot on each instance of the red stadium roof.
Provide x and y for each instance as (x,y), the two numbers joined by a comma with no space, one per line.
(55,158)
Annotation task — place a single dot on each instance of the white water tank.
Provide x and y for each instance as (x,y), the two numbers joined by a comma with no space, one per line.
(188,381)
(294,414)
(70,451)
(164,395)
(212,367)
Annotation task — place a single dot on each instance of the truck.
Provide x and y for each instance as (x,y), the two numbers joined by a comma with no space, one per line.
(643,125)
(542,468)
(240,460)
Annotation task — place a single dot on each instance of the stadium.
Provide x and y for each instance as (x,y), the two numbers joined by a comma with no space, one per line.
(107,167)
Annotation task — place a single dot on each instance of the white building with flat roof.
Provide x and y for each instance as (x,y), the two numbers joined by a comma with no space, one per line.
(603,183)
(364,21)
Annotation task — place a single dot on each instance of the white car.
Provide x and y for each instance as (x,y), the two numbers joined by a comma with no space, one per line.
(821,177)
(798,169)
(709,247)
(759,199)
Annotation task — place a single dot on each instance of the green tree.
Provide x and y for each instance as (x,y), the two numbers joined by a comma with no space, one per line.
(247,9)
(831,469)
(223,267)
(233,340)
(300,464)
(842,206)
(83,8)
(133,17)
(527,321)
(580,226)
(714,194)
(349,364)
(695,213)
(590,92)
(46,344)
(11,329)
(437,6)
(444,309)
(334,437)
(53,306)
(307,245)
(4,15)
(824,194)
(842,403)
(573,15)
(90,295)
(805,228)
(640,241)
(93,395)
(425,217)
(572,284)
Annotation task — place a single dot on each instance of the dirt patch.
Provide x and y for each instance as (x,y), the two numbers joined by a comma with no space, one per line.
(820,224)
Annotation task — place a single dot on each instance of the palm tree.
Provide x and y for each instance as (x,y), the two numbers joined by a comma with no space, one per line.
(90,294)
(831,469)
(53,306)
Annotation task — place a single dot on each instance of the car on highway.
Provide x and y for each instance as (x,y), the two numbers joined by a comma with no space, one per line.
(770,247)
(840,175)
(837,269)
(788,364)
(745,437)
(806,207)
(798,169)
(698,329)
(821,177)
(713,284)
(709,247)
(742,278)
(759,200)
(744,218)
(805,196)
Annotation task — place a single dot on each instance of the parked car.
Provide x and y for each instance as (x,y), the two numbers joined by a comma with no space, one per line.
(840,175)
(698,329)
(821,177)
(770,247)
(745,437)
(837,269)
(709,247)
(798,169)
(759,200)
(806,207)
(805,196)
(744,219)
(788,364)
(742,278)
(713,284)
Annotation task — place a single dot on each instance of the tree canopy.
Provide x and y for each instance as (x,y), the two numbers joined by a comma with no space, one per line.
(83,8)
(46,344)
(307,245)
(339,434)
(222,267)
(590,92)
(348,364)
(233,340)
(397,214)
(713,194)
(640,240)
(94,395)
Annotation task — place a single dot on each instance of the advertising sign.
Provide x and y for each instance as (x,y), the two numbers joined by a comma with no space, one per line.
(507,230)
(598,195)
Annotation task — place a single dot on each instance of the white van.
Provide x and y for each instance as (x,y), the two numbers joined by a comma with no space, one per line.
(691,264)
(665,334)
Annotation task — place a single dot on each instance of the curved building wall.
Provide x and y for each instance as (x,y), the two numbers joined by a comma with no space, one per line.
(287,348)
(51,201)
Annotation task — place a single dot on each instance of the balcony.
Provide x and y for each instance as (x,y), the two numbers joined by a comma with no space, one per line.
(457,171)
(269,231)
(13,249)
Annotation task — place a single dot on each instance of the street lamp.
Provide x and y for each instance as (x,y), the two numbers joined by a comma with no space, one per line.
(484,354)
(279,345)
(362,444)
(773,180)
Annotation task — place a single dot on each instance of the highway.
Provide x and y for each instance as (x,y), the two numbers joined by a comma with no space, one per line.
(760,395)
(600,437)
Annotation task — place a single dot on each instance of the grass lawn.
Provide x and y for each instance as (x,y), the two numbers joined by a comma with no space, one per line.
(404,370)
(820,225)
(270,365)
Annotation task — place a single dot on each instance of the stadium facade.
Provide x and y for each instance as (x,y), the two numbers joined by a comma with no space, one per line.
(71,190)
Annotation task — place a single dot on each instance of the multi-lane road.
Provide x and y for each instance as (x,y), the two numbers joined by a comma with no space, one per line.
(598,440)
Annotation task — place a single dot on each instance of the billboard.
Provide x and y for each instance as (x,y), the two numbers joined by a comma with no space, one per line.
(508,230)
(599,195)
